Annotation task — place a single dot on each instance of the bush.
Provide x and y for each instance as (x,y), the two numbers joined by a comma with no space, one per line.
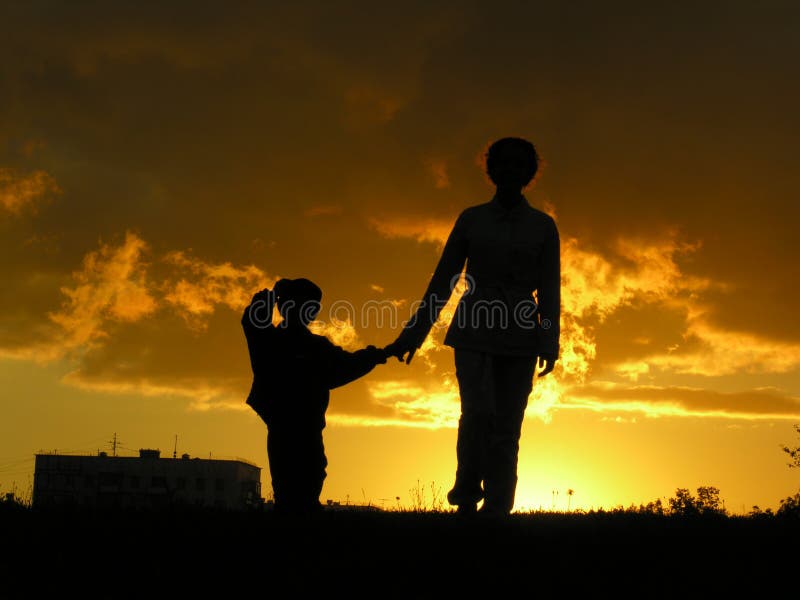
(790,507)
(707,502)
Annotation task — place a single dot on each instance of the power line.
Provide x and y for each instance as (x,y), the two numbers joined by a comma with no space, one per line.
(113,443)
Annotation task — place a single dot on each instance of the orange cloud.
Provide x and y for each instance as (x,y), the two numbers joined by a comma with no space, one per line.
(419,229)
(656,401)
(201,395)
(111,286)
(716,352)
(594,286)
(24,191)
(431,407)
(115,284)
(438,170)
(203,286)
(342,333)
(369,104)
(323,210)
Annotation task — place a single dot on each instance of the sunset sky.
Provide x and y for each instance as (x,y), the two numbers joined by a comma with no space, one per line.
(159,165)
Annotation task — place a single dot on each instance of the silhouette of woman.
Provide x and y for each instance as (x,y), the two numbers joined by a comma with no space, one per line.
(500,329)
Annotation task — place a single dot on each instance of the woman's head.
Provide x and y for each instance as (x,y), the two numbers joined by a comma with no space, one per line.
(298,300)
(512,162)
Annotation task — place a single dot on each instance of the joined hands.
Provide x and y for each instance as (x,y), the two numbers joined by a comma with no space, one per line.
(403,352)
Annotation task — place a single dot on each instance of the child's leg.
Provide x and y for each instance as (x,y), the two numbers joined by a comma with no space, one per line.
(275,466)
(281,465)
(297,464)
(319,461)
(311,468)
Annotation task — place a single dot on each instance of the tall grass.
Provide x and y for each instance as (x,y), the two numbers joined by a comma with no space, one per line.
(17,497)
(426,498)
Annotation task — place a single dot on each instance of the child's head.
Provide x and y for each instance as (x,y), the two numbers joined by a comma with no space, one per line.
(298,300)
(512,161)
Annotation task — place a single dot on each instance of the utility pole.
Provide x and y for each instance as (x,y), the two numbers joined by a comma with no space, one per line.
(114,443)
(175,449)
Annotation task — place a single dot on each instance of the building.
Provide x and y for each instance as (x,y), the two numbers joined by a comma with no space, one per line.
(144,481)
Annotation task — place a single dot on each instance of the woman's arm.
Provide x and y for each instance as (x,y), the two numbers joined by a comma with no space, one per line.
(549,295)
(447,272)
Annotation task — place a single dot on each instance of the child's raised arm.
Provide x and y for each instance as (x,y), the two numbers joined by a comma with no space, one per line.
(258,314)
(342,366)
(258,328)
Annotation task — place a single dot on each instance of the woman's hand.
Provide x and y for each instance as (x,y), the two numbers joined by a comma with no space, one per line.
(399,350)
(548,361)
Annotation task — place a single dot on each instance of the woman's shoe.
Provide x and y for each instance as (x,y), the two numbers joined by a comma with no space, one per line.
(467,509)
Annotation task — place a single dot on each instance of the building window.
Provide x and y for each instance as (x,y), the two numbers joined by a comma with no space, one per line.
(219,485)
(134,482)
(158,482)
(110,479)
(88,481)
(200,484)
(180,484)
(251,488)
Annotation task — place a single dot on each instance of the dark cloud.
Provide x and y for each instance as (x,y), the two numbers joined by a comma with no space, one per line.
(687,401)
(638,330)
(275,135)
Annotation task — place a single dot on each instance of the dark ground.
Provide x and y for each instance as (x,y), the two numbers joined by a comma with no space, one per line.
(377,555)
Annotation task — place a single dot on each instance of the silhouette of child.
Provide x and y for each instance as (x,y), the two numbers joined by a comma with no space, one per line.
(293,372)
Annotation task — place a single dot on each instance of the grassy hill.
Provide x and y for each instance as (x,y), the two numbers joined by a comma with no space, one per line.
(188,554)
